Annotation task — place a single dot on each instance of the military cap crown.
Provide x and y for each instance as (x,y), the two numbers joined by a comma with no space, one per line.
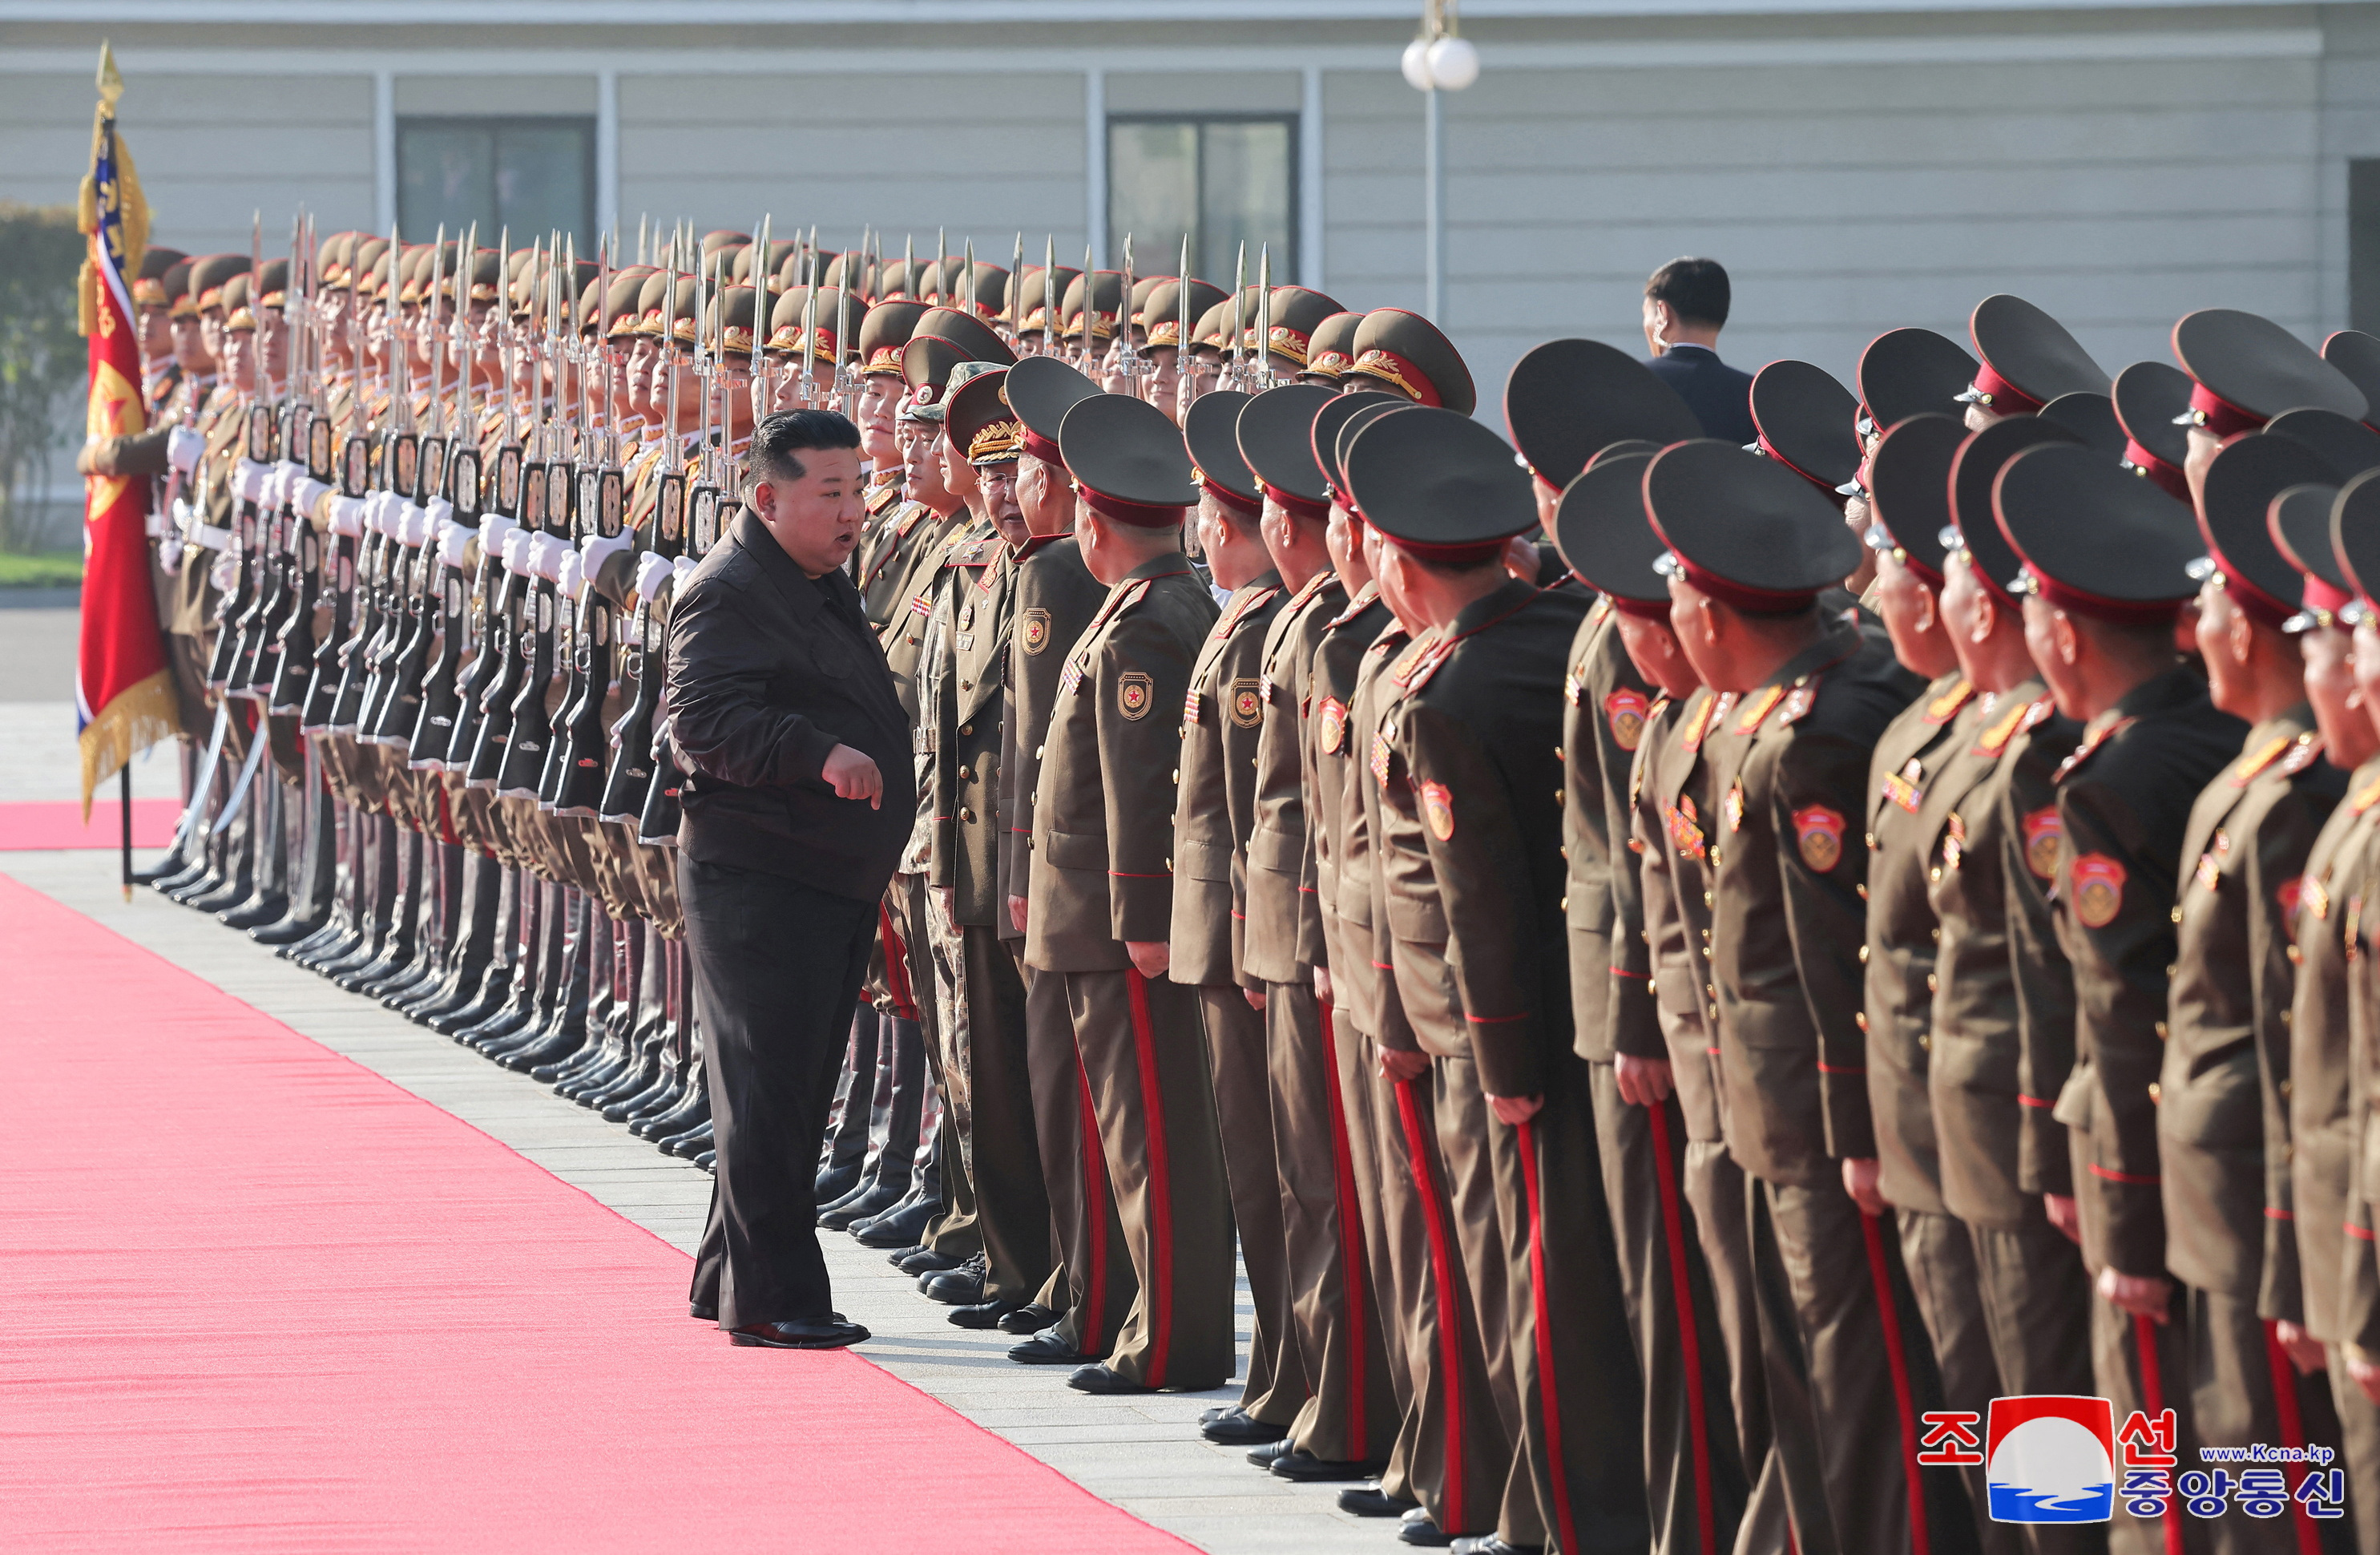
(1332,418)
(1162,315)
(981,424)
(1567,399)
(926,364)
(1407,352)
(966,332)
(1106,289)
(2348,447)
(1909,487)
(2148,396)
(2235,500)
(1213,330)
(1375,406)
(208,274)
(834,311)
(1804,421)
(1607,538)
(2299,520)
(1128,461)
(1907,373)
(175,284)
(2095,539)
(1041,390)
(1210,434)
(1331,351)
(1974,468)
(2355,532)
(2029,358)
(884,331)
(2357,355)
(148,285)
(1275,431)
(2248,370)
(1746,530)
(2090,416)
(1440,484)
(1297,312)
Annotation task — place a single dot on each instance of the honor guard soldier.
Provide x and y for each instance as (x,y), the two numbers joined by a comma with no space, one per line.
(1751,546)
(1102,896)
(893,515)
(1346,1427)
(2224,1092)
(1221,721)
(1485,974)
(1076,1317)
(2107,558)
(1405,354)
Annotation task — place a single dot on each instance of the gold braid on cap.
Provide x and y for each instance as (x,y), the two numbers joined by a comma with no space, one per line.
(886,359)
(996,441)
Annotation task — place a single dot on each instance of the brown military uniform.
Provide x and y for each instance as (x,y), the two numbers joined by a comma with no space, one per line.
(2124,798)
(1695,1484)
(2224,1093)
(1102,875)
(1222,715)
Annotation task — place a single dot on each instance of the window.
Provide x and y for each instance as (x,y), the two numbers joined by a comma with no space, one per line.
(532,175)
(1223,180)
(2363,246)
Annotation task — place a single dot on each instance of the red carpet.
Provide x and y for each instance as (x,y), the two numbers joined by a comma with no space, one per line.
(253,1297)
(45,824)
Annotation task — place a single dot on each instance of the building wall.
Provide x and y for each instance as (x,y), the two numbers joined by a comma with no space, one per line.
(2118,166)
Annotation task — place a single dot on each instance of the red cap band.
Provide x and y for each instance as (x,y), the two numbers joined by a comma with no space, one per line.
(1644,610)
(1245,507)
(1379,362)
(2260,607)
(1841,499)
(2004,397)
(2122,613)
(2222,418)
(1043,449)
(1147,515)
(2176,484)
(1742,596)
(1295,505)
(1470,552)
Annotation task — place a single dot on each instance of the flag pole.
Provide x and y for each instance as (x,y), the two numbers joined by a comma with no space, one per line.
(124,803)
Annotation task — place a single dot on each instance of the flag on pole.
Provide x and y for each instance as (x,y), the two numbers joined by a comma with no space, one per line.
(124,692)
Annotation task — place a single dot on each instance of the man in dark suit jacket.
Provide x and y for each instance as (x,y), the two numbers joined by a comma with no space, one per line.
(798,798)
(1685,305)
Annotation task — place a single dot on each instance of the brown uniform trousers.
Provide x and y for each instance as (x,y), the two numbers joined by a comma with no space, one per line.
(1475,760)
(1437,1199)
(1055,598)
(1789,763)
(1908,797)
(2223,1108)
(2324,1119)
(1351,1415)
(1695,1483)
(1222,714)
(1673,821)
(2124,798)
(1999,1041)
(1102,878)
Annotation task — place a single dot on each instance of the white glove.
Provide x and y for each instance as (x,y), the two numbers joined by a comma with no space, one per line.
(378,509)
(247,481)
(515,553)
(285,476)
(494,528)
(595,549)
(305,493)
(455,545)
(184,448)
(224,573)
(681,570)
(413,525)
(568,578)
(348,516)
(442,513)
(652,571)
(545,556)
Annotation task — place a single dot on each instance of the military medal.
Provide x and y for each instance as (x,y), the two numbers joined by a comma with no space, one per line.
(1732,807)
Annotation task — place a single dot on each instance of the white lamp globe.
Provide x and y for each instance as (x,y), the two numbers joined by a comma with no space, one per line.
(1453,64)
(1417,64)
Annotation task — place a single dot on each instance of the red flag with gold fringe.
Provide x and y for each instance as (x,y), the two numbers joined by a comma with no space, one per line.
(124,692)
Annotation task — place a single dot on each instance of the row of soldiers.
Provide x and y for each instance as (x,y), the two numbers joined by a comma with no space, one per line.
(1532,933)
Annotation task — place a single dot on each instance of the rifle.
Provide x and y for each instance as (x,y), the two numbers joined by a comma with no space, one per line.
(422,716)
(532,730)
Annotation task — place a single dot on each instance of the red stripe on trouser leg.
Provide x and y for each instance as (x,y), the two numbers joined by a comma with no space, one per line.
(897,966)
(1541,1307)
(1094,1200)
(2292,1427)
(1449,1315)
(1350,1241)
(1160,1194)
(2153,1400)
(1690,1344)
(1879,1270)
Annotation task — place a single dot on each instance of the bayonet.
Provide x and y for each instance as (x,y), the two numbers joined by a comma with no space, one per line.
(1127,360)
(1184,359)
(1234,361)
(1263,319)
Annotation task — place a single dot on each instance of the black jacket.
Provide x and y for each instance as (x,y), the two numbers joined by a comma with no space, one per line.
(769,670)
(1719,395)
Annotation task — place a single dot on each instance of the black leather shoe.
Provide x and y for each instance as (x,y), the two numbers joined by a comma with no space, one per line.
(1366,1500)
(831,1332)
(902,1227)
(702,1312)
(918,1262)
(1419,1530)
(962,1286)
(1098,1377)
(1263,1456)
(1046,1349)
(1031,1317)
(1306,1469)
(1489,1544)
(1238,1428)
(985,1314)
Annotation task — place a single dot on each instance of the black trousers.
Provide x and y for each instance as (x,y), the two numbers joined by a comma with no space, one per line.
(777,968)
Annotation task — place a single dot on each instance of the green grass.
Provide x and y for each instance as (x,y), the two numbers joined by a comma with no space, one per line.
(47,569)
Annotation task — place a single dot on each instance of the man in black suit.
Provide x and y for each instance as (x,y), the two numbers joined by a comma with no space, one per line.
(797,800)
(1685,305)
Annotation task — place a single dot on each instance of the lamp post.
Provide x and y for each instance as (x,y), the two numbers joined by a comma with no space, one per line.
(1437,61)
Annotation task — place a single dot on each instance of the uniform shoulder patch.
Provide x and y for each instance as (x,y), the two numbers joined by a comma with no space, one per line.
(1135,691)
(1248,704)
(1757,707)
(1698,721)
(1334,725)
(2258,759)
(1032,628)
(1944,707)
(1437,809)
(1626,711)
(1799,701)
(2098,889)
(1819,833)
(2044,833)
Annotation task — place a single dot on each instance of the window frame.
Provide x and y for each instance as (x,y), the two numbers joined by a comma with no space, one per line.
(495,124)
(1285,265)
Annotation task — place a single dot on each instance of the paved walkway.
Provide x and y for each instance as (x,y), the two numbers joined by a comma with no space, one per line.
(1141,1453)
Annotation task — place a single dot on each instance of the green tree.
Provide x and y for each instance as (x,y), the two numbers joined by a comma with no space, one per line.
(41,358)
